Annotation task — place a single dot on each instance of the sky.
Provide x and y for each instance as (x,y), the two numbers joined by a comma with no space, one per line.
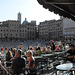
(29,9)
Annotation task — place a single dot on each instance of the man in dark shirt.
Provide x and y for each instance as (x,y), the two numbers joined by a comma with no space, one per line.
(71,53)
(18,63)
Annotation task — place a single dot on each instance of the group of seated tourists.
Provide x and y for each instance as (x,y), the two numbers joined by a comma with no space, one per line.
(19,64)
(38,50)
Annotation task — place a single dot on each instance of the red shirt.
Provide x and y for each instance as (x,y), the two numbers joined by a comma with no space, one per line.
(29,59)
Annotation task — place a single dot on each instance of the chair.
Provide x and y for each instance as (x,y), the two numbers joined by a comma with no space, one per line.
(43,64)
(31,71)
(19,73)
(0,71)
(19,67)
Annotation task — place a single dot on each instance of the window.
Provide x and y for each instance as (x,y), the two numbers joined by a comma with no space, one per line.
(16,34)
(14,30)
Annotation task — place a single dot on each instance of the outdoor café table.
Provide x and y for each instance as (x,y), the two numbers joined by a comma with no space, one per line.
(66,67)
(38,60)
(46,55)
(59,52)
(38,57)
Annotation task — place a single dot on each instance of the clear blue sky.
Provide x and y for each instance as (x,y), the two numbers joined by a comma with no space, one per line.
(29,9)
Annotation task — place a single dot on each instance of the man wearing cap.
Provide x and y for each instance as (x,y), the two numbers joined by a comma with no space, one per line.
(71,53)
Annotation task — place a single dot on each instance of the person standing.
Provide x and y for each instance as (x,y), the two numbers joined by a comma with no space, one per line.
(52,45)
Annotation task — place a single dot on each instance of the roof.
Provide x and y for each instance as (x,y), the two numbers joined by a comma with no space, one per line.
(25,21)
(65,8)
(4,25)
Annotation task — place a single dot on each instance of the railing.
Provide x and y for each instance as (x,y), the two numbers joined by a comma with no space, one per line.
(5,69)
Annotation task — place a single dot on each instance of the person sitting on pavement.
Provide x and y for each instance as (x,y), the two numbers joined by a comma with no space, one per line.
(39,51)
(44,49)
(7,57)
(52,45)
(34,50)
(48,49)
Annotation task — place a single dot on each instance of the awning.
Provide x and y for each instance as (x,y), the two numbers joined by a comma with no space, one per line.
(65,8)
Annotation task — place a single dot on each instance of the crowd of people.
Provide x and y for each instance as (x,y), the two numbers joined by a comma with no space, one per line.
(20,62)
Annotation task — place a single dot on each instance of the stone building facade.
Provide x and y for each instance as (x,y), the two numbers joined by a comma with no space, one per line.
(52,29)
(55,30)
(61,29)
(11,29)
(68,29)
(43,30)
